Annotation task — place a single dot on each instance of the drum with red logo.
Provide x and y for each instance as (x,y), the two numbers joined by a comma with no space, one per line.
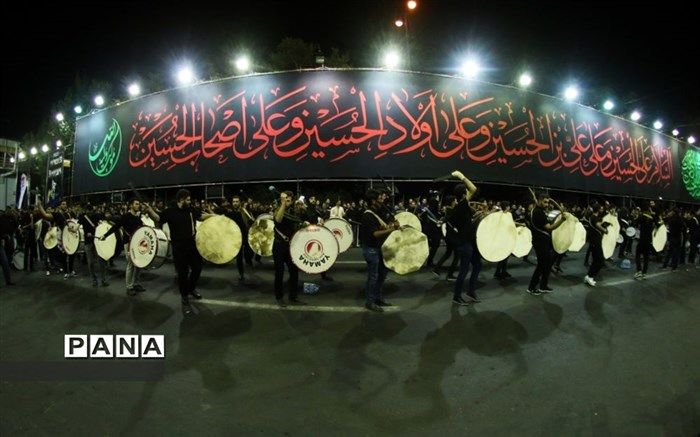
(314,249)
(342,231)
(148,248)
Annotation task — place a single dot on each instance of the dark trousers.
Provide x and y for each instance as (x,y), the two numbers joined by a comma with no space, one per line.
(434,245)
(4,261)
(282,257)
(376,274)
(188,264)
(464,253)
(598,259)
(643,251)
(588,254)
(501,267)
(674,254)
(30,251)
(693,250)
(625,247)
(239,262)
(544,264)
(449,251)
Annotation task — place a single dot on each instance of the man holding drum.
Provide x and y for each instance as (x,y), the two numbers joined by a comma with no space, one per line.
(285,227)
(373,231)
(89,220)
(130,222)
(239,214)
(182,220)
(59,218)
(645,223)
(542,243)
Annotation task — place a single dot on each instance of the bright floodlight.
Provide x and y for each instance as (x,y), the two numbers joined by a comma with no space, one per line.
(691,139)
(398,23)
(608,105)
(134,90)
(470,68)
(412,4)
(570,93)
(59,117)
(658,125)
(242,64)
(78,109)
(99,100)
(525,80)
(675,132)
(185,76)
(12,159)
(22,155)
(59,143)
(33,151)
(391,59)
(635,116)
(45,148)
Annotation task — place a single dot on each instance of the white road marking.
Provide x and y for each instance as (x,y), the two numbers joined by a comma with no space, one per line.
(310,308)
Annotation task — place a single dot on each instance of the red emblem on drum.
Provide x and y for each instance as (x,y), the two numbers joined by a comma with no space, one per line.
(144,246)
(314,249)
(338,233)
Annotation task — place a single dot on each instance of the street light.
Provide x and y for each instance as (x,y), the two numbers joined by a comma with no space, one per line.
(608,105)
(658,125)
(635,116)
(45,148)
(570,93)
(59,117)
(59,143)
(242,64)
(391,59)
(33,151)
(21,156)
(525,80)
(691,139)
(398,23)
(412,4)
(99,100)
(675,132)
(134,89)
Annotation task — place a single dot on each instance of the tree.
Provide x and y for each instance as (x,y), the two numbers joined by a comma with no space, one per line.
(338,59)
(292,54)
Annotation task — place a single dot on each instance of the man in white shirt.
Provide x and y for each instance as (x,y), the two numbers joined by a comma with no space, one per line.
(337,211)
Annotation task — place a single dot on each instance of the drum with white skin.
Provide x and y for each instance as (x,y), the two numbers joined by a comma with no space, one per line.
(342,231)
(148,247)
(105,249)
(73,237)
(314,249)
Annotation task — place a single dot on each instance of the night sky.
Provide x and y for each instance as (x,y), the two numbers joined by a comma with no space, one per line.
(636,52)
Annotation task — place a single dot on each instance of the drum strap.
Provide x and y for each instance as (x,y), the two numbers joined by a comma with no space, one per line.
(381,222)
(535,227)
(284,237)
(89,221)
(192,221)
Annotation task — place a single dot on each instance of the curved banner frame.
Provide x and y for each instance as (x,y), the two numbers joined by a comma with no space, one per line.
(344,124)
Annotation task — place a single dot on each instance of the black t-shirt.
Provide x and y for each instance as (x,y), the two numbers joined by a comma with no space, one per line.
(287,227)
(460,228)
(129,222)
(646,223)
(182,223)
(369,224)
(675,228)
(537,223)
(693,225)
(596,236)
(237,216)
(60,219)
(89,222)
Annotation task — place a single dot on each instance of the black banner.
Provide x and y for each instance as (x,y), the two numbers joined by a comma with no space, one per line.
(366,123)
(54,179)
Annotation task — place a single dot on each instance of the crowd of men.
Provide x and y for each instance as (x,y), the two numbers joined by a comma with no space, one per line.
(450,218)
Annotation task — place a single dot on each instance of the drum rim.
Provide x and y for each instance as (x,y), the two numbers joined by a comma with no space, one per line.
(346,223)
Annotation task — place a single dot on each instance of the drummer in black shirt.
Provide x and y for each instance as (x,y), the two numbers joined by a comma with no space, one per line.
(645,223)
(129,222)
(597,229)
(182,220)
(285,227)
(239,214)
(542,243)
(59,218)
(676,228)
(89,221)
(373,231)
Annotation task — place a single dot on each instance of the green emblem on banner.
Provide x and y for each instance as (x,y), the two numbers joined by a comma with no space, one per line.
(691,172)
(104,154)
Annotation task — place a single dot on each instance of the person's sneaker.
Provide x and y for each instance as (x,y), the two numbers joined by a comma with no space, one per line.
(66,276)
(474,298)
(195,294)
(451,278)
(374,307)
(131,292)
(105,284)
(589,281)
(73,273)
(557,269)
(638,275)
(383,303)
(534,291)
(48,273)
(460,301)
(94,283)
(435,272)
(644,275)
(546,289)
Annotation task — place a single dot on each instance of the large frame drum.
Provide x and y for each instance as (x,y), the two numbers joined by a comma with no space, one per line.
(73,237)
(53,238)
(148,247)
(261,235)
(105,249)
